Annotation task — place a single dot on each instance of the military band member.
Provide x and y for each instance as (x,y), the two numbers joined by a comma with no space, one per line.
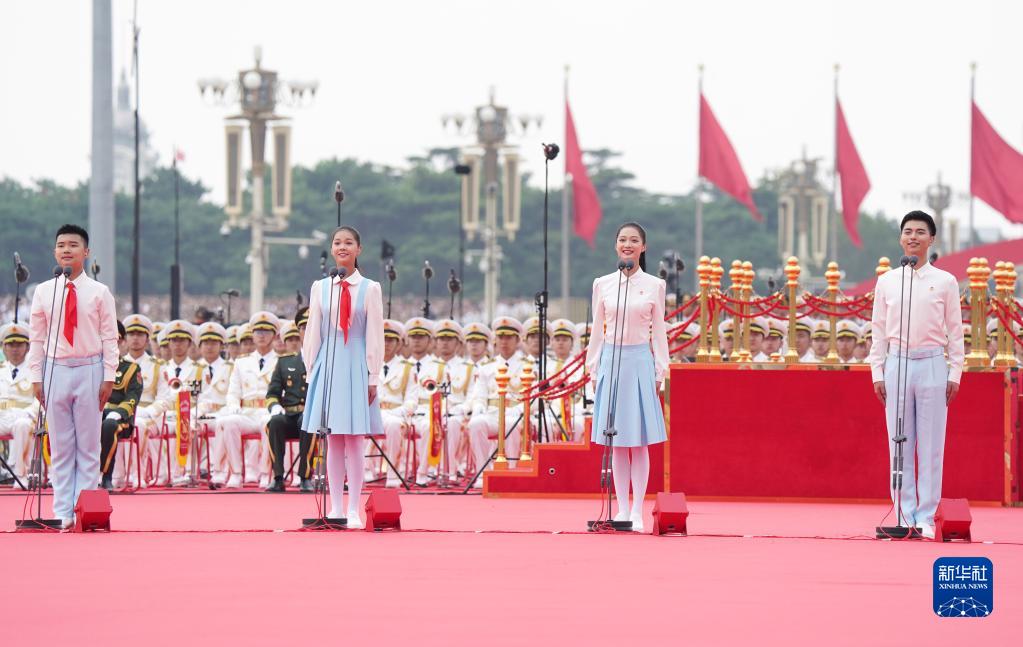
(233,350)
(154,336)
(119,412)
(862,349)
(397,394)
(688,354)
(245,411)
(585,404)
(820,341)
(992,339)
(140,331)
(246,344)
(18,406)
(967,340)
(483,426)
(429,370)
(804,340)
(175,377)
(285,399)
(775,340)
(291,335)
(461,374)
(163,345)
(726,341)
(563,341)
(757,333)
(563,338)
(215,377)
(846,338)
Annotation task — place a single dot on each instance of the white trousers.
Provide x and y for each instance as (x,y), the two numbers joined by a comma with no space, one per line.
(18,423)
(230,428)
(926,375)
(73,422)
(483,435)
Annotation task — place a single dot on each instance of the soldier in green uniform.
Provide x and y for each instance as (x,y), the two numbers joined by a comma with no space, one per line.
(285,397)
(119,412)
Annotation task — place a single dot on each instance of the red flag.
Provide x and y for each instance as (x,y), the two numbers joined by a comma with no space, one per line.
(719,163)
(179,155)
(587,214)
(996,170)
(852,174)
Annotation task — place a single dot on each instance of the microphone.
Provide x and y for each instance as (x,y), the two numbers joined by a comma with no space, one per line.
(342,272)
(339,195)
(232,293)
(904,261)
(629,264)
(662,271)
(913,260)
(392,274)
(680,265)
(454,285)
(66,271)
(550,151)
(934,257)
(57,271)
(21,272)
(427,270)
(621,265)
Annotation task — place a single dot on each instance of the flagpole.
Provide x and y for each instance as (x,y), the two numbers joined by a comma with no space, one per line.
(835,220)
(973,101)
(698,251)
(565,231)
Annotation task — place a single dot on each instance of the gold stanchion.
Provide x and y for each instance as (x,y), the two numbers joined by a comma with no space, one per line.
(703,271)
(792,273)
(738,278)
(501,461)
(745,355)
(1005,285)
(832,276)
(978,273)
(716,272)
(884,265)
(525,456)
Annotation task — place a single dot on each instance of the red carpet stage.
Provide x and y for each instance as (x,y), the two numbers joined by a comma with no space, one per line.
(226,569)
(793,432)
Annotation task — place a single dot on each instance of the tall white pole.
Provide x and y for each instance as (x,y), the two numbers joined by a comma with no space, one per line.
(973,78)
(565,229)
(698,248)
(835,219)
(101,182)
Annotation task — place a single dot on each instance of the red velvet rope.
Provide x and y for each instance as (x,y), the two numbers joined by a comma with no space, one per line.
(1012,315)
(754,302)
(1008,328)
(832,313)
(866,298)
(683,345)
(682,307)
(681,327)
(776,305)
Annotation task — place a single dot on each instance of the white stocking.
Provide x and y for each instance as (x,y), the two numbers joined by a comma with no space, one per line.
(336,474)
(640,475)
(620,470)
(355,459)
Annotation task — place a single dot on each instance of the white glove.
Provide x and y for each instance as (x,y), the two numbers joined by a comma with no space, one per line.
(276,410)
(113,415)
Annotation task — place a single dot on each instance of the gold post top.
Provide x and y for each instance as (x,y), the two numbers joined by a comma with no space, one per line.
(883,265)
(502,380)
(736,275)
(792,271)
(833,276)
(747,268)
(716,272)
(703,270)
(527,377)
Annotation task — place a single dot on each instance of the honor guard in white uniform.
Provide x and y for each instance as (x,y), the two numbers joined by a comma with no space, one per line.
(532,353)
(775,341)
(726,340)
(483,424)
(154,337)
(757,334)
(174,377)
(478,339)
(821,339)
(232,343)
(397,395)
(461,374)
(563,339)
(18,406)
(430,371)
(245,342)
(804,339)
(688,354)
(215,372)
(846,338)
(584,407)
(245,411)
(292,338)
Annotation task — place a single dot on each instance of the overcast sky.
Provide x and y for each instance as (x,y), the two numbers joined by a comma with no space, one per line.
(389,69)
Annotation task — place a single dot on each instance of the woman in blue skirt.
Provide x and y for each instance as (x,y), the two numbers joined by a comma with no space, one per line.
(636,385)
(343,352)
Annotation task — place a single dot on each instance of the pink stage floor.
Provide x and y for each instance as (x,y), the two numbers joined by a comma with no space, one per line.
(225,568)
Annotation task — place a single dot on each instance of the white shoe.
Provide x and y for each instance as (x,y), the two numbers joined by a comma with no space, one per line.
(235,481)
(264,481)
(392,483)
(622,516)
(67,523)
(927,531)
(354,521)
(335,514)
(637,522)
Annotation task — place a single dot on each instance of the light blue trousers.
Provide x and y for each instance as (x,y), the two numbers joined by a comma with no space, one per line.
(73,421)
(926,373)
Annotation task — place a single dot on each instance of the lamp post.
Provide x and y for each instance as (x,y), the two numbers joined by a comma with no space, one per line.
(257,92)
(494,165)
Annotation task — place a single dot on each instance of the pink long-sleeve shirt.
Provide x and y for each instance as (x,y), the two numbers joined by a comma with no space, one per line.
(644,317)
(96,333)
(935,317)
(373,302)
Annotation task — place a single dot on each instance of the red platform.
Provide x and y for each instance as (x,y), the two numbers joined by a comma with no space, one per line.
(792,432)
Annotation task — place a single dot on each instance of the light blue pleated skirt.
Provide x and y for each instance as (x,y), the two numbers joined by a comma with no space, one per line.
(638,418)
(347,392)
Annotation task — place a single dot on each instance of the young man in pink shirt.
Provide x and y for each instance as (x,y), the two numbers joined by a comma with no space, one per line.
(73,375)
(931,328)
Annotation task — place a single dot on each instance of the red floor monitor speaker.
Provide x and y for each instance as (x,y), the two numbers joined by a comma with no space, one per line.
(383,510)
(670,513)
(92,512)
(952,520)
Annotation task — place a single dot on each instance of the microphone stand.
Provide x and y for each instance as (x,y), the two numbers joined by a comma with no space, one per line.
(391,276)
(454,287)
(36,478)
(603,524)
(323,522)
(427,275)
(20,276)
(339,197)
(550,152)
(901,531)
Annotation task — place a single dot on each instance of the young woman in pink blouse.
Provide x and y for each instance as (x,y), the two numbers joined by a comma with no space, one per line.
(638,417)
